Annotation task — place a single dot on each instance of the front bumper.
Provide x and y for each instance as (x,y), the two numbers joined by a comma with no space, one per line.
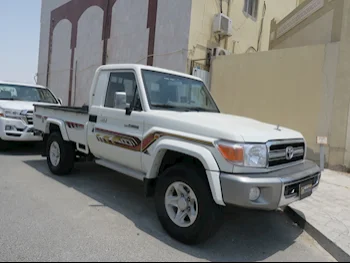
(278,188)
(23,133)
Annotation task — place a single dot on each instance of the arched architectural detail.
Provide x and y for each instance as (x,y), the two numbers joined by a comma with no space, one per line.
(73,10)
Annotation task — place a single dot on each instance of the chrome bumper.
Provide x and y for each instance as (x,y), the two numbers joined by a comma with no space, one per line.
(278,188)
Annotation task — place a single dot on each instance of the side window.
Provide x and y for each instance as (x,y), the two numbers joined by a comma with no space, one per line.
(121,82)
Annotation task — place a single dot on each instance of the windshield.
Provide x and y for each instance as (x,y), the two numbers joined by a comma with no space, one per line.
(25,93)
(172,92)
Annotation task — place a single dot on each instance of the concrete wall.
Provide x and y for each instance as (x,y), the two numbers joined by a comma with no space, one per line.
(246,31)
(291,87)
(129,33)
(172,34)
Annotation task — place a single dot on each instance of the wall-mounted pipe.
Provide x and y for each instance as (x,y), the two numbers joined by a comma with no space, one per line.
(261,27)
(229,15)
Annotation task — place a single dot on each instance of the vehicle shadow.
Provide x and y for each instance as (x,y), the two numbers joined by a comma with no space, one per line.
(245,235)
(22,149)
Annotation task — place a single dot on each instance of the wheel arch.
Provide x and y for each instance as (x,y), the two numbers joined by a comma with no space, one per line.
(53,125)
(169,152)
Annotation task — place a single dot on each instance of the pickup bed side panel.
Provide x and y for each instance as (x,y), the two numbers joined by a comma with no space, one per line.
(197,151)
(71,122)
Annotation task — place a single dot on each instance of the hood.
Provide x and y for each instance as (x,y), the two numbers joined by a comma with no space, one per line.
(19,105)
(224,126)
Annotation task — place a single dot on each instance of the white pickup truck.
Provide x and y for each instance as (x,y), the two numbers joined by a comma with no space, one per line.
(164,128)
(16,111)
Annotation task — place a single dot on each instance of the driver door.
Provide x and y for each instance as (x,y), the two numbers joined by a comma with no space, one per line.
(121,134)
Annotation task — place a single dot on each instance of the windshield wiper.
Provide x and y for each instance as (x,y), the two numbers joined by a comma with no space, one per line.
(7,99)
(164,106)
(167,106)
(198,109)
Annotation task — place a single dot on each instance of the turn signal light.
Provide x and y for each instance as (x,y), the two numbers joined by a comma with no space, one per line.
(232,153)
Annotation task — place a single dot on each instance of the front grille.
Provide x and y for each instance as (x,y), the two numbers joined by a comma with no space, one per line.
(278,152)
(294,187)
(29,118)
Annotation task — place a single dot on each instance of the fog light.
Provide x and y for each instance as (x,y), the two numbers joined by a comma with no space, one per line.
(254,193)
(10,128)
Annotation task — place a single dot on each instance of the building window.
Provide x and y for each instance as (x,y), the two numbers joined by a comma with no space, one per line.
(251,8)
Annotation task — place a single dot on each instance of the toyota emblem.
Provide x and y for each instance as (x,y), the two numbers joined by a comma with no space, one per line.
(289,153)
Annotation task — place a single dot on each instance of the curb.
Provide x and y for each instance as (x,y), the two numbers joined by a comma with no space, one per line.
(339,254)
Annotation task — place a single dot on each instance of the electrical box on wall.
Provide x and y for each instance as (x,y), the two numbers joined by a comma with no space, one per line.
(222,25)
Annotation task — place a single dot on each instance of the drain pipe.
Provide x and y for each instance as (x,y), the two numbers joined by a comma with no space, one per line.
(228,14)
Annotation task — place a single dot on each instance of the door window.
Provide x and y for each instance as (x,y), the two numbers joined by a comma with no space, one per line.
(122,82)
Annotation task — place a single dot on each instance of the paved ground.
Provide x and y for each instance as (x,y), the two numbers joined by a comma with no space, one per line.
(97,215)
(328,209)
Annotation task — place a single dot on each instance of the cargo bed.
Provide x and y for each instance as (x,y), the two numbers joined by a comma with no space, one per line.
(71,121)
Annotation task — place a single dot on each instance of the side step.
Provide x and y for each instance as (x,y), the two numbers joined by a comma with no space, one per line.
(121,169)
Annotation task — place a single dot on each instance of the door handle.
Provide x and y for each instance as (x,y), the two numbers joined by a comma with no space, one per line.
(131,126)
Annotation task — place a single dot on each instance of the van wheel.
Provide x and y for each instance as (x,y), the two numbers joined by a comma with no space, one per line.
(60,155)
(185,206)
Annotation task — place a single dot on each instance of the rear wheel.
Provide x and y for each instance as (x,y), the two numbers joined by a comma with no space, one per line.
(60,154)
(185,205)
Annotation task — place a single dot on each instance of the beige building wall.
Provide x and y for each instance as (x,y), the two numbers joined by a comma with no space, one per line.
(327,21)
(297,95)
(246,30)
(313,22)
(340,135)
(317,32)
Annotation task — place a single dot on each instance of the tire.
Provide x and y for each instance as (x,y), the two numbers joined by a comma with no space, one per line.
(209,214)
(3,145)
(66,151)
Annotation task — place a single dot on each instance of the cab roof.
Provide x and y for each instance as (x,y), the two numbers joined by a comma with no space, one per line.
(138,67)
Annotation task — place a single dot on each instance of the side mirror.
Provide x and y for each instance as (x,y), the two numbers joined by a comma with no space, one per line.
(120,101)
(60,101)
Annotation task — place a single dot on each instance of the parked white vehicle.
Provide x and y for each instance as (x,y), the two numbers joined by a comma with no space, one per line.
(16,110)
(164,128)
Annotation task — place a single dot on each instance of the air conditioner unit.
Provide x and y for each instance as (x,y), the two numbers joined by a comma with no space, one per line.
(218,51)
(222,25)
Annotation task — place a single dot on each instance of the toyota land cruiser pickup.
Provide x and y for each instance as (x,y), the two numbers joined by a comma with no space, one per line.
(164,128)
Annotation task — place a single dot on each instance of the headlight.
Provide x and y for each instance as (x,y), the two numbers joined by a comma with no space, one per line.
(12,114)
(250,155)
(255,155)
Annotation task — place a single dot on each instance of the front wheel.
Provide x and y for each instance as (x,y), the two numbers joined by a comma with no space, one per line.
(185,205)
(60,155)
(3,145)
